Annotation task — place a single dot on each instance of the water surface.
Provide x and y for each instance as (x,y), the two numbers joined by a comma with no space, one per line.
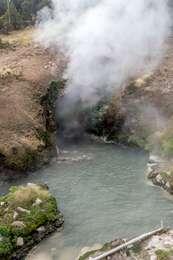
(103,194)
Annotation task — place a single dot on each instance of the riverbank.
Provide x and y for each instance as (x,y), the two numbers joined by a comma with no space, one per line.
(155,247)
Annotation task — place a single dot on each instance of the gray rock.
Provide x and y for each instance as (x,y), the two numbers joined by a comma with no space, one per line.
(20,241)
(20,209)
(6,209)
(159,178)
(37,202)
(31,184)
(15,215)
(41,229)
(18,224)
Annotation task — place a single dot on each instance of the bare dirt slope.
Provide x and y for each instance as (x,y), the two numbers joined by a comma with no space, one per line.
(157,87)
(25,73)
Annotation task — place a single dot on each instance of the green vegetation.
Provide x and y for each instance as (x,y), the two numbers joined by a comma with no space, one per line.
(164,140)
(167,146)
(49,104)
(22,211)
(95,117)
(104,119)
(44,136)
(53,91)
(16,14)
(137,141)
(23,160)
(164,254)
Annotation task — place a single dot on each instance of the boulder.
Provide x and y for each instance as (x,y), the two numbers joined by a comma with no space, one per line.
(41,229)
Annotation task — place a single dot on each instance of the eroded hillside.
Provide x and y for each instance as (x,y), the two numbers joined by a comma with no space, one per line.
(25,73)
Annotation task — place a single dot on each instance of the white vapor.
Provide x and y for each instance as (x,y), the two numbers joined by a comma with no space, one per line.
(106,41)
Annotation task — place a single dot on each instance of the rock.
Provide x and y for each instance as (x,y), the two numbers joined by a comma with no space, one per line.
(37,202)
(20,209)
(89,249)
(15,215)
(116,243)
(2,203)
(6,209)
(168,186)
(41,229)
(30,184)
(154,159)
(20,241)
(18,224)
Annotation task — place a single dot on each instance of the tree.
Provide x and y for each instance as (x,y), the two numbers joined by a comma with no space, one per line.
(11,18)
(19,13)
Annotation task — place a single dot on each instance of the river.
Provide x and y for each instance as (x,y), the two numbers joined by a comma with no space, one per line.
(102,191)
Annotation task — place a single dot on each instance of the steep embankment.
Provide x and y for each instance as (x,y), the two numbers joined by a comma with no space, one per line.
(25,73)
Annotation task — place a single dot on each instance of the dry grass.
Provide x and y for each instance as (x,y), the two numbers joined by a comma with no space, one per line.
(7,72)
(25,196)
(21,37)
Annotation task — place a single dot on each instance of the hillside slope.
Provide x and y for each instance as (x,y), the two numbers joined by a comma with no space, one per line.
(25,73)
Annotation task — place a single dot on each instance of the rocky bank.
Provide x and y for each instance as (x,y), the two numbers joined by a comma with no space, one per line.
(157,247)
(27,215)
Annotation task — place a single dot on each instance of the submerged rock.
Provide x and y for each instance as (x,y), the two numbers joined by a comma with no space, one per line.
(34,220)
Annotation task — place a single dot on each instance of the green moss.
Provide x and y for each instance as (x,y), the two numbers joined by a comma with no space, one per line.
(167,146)
(5,230)
(95,119)
(164,176)
(54,89)
(164,254)
(33,216)
(106,247)
(6,246)
(136,248)
(22,161)
(44,136)
(87,255)
(137,141)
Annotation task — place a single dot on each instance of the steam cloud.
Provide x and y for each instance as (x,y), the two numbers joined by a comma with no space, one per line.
(106,41)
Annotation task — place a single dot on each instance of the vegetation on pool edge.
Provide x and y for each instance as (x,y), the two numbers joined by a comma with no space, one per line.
(30,206)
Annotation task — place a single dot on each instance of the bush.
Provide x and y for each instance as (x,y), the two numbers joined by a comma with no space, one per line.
(6,246)
(22,12)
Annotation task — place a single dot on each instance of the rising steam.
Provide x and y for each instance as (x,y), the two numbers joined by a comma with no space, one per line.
(106,41)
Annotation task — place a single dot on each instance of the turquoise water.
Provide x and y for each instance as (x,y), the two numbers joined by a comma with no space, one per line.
(103,194)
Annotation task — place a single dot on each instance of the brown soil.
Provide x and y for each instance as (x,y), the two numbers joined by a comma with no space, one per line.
(25,73)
